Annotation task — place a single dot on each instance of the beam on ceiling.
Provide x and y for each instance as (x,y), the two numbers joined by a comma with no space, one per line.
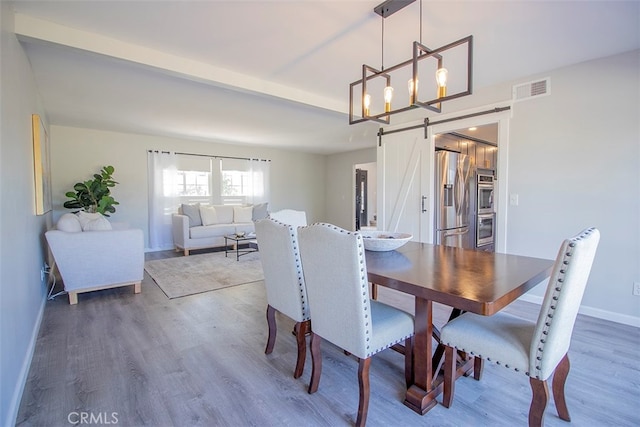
(30,28)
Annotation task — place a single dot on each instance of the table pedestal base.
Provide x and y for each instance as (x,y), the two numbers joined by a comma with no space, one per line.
(421,401)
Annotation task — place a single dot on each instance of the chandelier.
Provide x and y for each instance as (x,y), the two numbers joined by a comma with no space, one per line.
(429,82)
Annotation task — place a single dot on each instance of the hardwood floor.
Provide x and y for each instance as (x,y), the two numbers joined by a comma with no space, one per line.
(145,360)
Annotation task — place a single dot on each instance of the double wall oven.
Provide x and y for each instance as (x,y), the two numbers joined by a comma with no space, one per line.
(485,215)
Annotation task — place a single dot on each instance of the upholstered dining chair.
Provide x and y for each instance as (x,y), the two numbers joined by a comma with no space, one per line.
(284,282)
(335,272)
(290,217)
(538,350)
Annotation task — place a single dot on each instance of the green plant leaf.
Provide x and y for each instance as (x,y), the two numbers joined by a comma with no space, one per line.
(94,195)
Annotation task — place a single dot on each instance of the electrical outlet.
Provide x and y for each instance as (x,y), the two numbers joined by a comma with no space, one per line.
(636,288)
(513,199)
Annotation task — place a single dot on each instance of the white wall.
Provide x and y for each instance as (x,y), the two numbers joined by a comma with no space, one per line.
(574,162)
(22,294)
(297,179)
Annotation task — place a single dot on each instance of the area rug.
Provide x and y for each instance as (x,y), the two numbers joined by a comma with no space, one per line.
(194,274)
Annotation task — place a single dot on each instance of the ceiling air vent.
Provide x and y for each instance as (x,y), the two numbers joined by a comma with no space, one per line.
(530,90)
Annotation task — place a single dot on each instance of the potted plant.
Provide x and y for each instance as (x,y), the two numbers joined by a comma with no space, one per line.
(94,195)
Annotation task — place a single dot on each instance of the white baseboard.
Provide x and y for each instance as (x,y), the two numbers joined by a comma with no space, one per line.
(598,313)
(12,413)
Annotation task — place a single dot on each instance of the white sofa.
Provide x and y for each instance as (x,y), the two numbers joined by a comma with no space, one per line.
(95,260)
(204,226)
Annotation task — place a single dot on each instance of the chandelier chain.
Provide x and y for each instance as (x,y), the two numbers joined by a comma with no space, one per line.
(420,21)
(382,47)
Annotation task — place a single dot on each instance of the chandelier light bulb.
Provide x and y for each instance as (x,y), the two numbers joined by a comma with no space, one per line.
(367,104)
(388,96)
(411,90)
(441,78)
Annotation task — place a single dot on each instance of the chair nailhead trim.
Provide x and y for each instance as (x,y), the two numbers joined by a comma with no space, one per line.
(365,291)
(558,288)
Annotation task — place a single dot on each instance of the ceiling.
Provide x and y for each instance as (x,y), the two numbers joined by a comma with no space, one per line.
(276,73)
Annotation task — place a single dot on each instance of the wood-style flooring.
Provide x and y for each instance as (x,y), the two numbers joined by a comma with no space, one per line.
(145,360)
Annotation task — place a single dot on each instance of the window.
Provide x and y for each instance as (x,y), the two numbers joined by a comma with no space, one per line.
(193,183)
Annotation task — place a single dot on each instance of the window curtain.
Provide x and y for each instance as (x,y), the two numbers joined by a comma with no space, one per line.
(259,175)
(163,200)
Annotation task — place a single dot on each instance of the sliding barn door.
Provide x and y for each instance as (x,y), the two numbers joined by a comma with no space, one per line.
(403,165)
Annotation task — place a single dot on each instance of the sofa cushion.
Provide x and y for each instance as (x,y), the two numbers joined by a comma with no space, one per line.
(69,223)
(193,212)
(217,230)
(260,211)
(93,221)
(209,215)
(242,214)
(225,214)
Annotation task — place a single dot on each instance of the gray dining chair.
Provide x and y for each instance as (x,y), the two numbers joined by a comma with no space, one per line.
(538,350)
(284,282)
(335,271)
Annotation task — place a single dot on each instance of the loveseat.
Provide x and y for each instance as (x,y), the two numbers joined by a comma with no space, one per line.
(92,255)
(197,226)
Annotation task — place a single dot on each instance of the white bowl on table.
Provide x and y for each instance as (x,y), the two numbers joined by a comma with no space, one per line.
(380,241)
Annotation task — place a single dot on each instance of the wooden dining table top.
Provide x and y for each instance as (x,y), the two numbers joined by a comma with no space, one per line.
(475,281)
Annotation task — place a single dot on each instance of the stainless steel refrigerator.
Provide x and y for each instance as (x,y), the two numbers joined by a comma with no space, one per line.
(452,178)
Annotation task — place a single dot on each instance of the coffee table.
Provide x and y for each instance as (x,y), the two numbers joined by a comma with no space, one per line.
(248,238)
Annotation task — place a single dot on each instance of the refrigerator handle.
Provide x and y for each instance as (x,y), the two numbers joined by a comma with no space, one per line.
(423,208)
(457,192)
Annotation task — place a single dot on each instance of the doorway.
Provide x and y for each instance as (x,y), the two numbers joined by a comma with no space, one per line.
(361,198)
(470,218)
(498,158)
(365,196)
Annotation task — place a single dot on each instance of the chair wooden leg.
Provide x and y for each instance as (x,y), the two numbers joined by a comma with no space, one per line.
(449,376)
(557,385)
(316,362)
(478,366)
(363,381)
(538,402)
(408,361)
(271,321)
(137,287)
(301,329)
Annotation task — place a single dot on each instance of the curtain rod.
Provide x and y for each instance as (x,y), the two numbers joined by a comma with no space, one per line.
(427,123)
(211,155)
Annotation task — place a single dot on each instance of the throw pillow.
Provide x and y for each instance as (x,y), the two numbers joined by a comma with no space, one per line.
(93,221)
(242,213)
(100,224)
(260,211)
(225,214)
(209,215)
(69,223)
(193,212)
(85,217)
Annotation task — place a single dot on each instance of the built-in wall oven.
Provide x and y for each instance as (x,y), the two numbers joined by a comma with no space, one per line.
(485,231)
(485,193)
(485,216)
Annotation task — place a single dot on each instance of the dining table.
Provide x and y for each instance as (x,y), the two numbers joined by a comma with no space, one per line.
(465,280)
